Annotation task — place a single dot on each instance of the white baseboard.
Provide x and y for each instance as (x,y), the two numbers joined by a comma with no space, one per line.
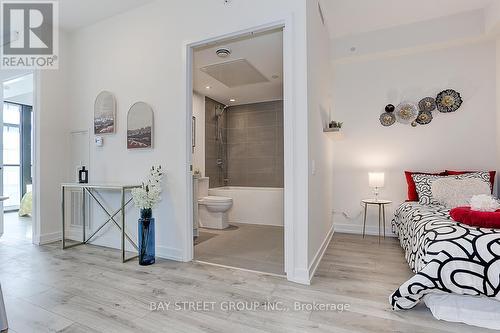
(300,276)
(47,238)
(346,228)
(321,252)
(169,253)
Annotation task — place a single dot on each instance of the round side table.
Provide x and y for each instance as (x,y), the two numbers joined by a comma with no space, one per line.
(381,213)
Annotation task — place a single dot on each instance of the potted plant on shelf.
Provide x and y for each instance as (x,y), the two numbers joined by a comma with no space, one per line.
(145,198)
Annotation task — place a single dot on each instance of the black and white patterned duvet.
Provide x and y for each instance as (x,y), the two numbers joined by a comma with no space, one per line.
(445,255)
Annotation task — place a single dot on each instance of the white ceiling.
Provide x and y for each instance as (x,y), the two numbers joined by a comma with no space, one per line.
(263,51)
(349,17)
(75,14)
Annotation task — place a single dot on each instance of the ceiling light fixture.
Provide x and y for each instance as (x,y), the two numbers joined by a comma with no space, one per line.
(208,87)
(232,100)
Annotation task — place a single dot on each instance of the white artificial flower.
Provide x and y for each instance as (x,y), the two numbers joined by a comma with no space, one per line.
(148,195)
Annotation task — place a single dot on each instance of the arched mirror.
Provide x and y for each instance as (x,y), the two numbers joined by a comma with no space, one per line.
(104,113)
(140,122)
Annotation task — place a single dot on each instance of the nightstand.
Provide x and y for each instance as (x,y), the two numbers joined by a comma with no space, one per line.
(381,213)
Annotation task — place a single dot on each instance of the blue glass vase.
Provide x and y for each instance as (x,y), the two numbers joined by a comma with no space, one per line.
(146,238)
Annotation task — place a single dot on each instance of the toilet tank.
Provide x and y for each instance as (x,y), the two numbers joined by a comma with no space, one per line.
(203,184)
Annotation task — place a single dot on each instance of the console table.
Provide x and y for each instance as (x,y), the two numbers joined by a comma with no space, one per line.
(91,190)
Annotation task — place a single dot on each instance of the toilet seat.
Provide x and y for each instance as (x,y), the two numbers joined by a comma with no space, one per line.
(215,200)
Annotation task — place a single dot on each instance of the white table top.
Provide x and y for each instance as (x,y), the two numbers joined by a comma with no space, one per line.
(110,186)
(2,198)
(376,202)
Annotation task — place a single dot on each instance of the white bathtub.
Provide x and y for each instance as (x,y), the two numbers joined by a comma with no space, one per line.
(253,205)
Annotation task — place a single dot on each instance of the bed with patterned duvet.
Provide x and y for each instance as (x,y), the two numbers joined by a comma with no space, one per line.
(446,256)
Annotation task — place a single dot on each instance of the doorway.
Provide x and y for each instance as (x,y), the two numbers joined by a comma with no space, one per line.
(237,109)
(17,157)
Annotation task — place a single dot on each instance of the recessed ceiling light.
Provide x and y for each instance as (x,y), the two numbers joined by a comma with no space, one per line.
(208,87)
(232,100)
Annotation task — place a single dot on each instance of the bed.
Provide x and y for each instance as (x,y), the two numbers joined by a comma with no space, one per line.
(448,258)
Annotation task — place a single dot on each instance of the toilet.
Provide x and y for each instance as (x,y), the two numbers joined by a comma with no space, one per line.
(212,211)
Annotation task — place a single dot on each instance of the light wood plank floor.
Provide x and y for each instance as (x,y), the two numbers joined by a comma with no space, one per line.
(87,289)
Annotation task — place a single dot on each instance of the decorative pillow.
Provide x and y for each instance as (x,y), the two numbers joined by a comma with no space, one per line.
(423,184)
(455,192)
(412,191)
(492,175)
(475,218)
(484,203)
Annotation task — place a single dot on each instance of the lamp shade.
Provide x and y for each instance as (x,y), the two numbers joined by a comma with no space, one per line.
(376,179)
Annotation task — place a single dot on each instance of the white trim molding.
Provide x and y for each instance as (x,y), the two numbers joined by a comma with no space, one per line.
(371,230)
(169,253)
(321,252)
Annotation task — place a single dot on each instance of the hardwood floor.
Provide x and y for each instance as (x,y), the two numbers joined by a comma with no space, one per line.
(88,289)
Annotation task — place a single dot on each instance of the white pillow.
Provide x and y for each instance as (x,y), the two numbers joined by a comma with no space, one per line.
(457,192)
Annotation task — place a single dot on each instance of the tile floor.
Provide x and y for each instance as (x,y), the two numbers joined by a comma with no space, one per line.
(247,246)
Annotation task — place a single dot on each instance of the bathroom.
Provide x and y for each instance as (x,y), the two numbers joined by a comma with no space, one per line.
(238,141)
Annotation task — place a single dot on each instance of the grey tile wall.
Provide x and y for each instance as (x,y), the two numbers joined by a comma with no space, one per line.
(212,145)
(255,145)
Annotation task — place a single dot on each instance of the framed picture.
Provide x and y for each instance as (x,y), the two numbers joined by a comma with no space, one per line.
(140,122)
(105,113)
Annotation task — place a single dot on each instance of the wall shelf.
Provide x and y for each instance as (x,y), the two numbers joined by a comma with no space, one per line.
(329,130)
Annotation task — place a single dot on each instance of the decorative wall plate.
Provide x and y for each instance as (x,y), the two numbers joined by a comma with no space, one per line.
(427,104)
(406,113)
(387,118)
(424,117)
(448,101)
(390,108)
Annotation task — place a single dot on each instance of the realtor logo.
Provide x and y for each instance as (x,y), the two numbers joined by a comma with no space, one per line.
(29,34)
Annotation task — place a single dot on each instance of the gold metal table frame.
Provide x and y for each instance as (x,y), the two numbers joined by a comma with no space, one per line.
(90,189)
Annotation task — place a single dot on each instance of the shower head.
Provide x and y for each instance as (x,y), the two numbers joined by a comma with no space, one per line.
(219,111)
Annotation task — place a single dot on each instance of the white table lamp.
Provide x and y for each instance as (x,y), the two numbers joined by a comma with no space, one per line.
(376,181)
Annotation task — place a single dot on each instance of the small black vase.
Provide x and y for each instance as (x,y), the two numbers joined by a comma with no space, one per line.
(146,229)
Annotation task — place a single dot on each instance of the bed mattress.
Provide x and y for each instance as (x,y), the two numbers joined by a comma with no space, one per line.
(446,256)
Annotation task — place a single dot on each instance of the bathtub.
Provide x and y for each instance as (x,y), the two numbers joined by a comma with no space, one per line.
(253,205)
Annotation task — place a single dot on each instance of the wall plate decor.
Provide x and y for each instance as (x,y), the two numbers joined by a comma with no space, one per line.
(406,113)
(427,104)
(448,101)
(387,118)
(424,117)
(389,108)
(140,124)
(104,113)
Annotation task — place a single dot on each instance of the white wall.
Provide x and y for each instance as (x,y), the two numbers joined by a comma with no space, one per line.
(51,146)
(139,55)
(199,150)
(465,139)
(320,146)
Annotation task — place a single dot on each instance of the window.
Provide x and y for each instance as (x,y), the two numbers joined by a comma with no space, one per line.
(16,152)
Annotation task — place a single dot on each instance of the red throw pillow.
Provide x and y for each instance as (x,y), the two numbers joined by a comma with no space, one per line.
(474,218)
(492,175)
(412,189)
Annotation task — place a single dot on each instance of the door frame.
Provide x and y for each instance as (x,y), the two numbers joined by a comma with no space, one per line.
(35,221)
(290,182)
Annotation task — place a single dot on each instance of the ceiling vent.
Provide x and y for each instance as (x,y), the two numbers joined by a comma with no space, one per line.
(235,73)
(223,52)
